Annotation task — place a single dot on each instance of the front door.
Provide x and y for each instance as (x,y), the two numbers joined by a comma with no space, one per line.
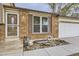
(12,25)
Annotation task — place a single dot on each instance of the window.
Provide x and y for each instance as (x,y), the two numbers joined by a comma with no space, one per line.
(40,24)
(12,19)
(36,24)
(11,24)
(44,24)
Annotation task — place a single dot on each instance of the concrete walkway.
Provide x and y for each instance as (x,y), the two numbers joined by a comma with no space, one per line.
(63,50)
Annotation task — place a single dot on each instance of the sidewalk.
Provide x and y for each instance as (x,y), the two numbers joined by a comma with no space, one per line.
(54,51)
(63,50)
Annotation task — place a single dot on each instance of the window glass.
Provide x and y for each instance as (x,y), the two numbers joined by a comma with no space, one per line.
(36,28)
(44,28)
(36,24)
(12,30)
(44,21)
(44,24)
(12,19)
(36,20)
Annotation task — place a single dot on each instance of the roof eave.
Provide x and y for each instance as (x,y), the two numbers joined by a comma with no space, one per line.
(29,9)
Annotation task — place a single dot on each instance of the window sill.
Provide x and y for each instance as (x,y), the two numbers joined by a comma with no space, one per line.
(1,23)
(41,33)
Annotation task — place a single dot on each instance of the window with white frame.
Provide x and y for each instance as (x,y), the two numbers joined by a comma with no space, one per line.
(36,22)
(40,24)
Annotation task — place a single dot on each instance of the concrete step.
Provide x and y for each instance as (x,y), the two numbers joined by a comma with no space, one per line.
(6,52)
(11,46)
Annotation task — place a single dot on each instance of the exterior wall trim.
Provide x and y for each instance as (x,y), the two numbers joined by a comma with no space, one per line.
(69,22)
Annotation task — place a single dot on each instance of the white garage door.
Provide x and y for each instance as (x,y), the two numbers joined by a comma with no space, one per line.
(68,30)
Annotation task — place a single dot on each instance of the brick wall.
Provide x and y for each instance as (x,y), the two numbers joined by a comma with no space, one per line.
(2,26)
(1,10)
(2,32)
(23,25)
(55,26)
(26,26)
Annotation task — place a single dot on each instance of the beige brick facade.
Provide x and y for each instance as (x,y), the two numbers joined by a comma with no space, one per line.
(2,32)
(1,13)
(54,26)
(25,25)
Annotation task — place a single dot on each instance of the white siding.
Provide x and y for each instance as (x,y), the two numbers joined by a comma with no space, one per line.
(68,29)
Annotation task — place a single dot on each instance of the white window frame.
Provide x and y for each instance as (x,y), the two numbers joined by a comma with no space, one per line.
(40,25)
(17,25)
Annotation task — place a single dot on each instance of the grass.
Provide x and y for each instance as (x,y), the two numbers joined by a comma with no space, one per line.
(39,44)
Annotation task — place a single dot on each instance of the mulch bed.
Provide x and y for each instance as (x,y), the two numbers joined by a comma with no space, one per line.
(39,44)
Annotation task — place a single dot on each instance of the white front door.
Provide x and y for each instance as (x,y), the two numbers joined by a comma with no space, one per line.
(12,25)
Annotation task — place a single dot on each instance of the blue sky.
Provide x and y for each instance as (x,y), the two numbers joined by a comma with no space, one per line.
(35,6)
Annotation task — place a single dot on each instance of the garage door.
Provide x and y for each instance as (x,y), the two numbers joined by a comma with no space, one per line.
(68,29)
